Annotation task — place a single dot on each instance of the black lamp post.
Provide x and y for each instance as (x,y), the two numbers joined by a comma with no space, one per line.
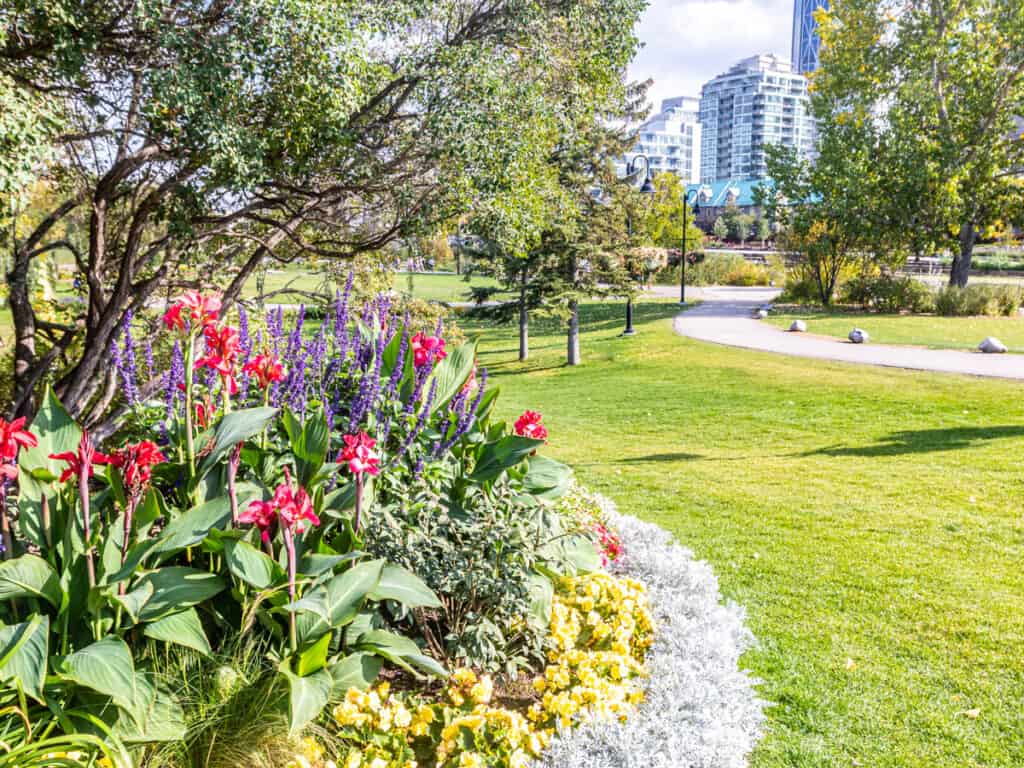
(645,189)
(682,259)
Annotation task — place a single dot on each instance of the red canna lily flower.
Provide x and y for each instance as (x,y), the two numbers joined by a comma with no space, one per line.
(471,382)
(261,514)
(13,437)
(529,425)
(81,462)
(426,349)
(266,369)
(199,308)
(360,454)
(223,346)
(292,506)
(136,461)
(203,412)
(172,318)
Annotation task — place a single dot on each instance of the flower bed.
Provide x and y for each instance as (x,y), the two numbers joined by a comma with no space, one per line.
(308,546)
(700,708)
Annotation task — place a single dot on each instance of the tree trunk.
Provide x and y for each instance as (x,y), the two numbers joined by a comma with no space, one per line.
(824,291)
(573,347)
(962,261)
(25,335)
(524,320)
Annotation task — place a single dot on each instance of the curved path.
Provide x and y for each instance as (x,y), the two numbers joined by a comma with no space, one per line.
(725,317)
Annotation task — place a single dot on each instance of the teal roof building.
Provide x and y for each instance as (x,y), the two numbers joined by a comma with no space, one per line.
(719,194)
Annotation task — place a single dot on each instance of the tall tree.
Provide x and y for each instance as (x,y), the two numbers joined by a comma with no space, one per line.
(939,82)
(234,131)
(663,224)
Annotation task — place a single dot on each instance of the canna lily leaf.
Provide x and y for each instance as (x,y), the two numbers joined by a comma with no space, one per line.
(357,670)
(496,457)
(181,629)
(337,602)
(193,526)
(23,654)
(400,585)
(170,590)
(157,715)
(547,478)
(307,696)
(234,428)
(249,564)
(452,372)
(399,650)
(313,658)
(29,576)
(309,447)
(106,666)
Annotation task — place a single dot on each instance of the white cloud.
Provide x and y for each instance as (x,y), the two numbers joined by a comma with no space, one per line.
(688,42)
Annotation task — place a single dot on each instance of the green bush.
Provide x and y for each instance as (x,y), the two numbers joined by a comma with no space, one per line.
(989,300)
(801,288)
(888,293)
(480,562)
(747,274)
(718,269)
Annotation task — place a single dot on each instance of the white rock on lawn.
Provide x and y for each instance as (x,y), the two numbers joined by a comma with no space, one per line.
(992,345)
(798,326)
(858,336)
(700,710)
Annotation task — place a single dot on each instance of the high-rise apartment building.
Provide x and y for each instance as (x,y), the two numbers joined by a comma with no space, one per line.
(671,139)
(805,35)
(758,102)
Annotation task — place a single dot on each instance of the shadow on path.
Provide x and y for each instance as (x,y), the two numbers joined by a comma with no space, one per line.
(923,441)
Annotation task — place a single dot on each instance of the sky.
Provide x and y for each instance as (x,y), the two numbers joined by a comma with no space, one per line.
(688,42)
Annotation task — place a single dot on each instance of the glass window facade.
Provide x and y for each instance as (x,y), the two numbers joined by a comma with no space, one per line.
(759,102)
(806,42)
(671,139)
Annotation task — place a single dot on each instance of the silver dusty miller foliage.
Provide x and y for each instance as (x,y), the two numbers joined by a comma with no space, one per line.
(700,709)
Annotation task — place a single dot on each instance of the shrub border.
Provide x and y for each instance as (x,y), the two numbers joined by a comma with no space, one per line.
(700,709)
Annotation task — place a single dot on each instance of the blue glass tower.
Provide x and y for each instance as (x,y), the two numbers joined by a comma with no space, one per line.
(805,35)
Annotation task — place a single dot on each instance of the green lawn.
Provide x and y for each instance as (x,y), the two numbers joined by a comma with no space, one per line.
(425,285)
(443,287)
(919,330)
(869,520)
(6,327)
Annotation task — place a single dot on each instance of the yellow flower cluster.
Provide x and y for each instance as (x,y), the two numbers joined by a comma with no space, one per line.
(310,755)
(601,628)
(386,717)
(489,736)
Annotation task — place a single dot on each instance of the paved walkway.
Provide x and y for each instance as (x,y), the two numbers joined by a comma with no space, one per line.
(725,317)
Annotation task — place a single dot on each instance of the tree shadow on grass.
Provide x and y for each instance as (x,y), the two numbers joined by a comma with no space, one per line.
(654,457)
(513,368)
(923,441)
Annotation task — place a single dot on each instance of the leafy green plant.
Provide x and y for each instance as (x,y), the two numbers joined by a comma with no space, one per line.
(30,737)
(974,300)
(888,293)
(236,708)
